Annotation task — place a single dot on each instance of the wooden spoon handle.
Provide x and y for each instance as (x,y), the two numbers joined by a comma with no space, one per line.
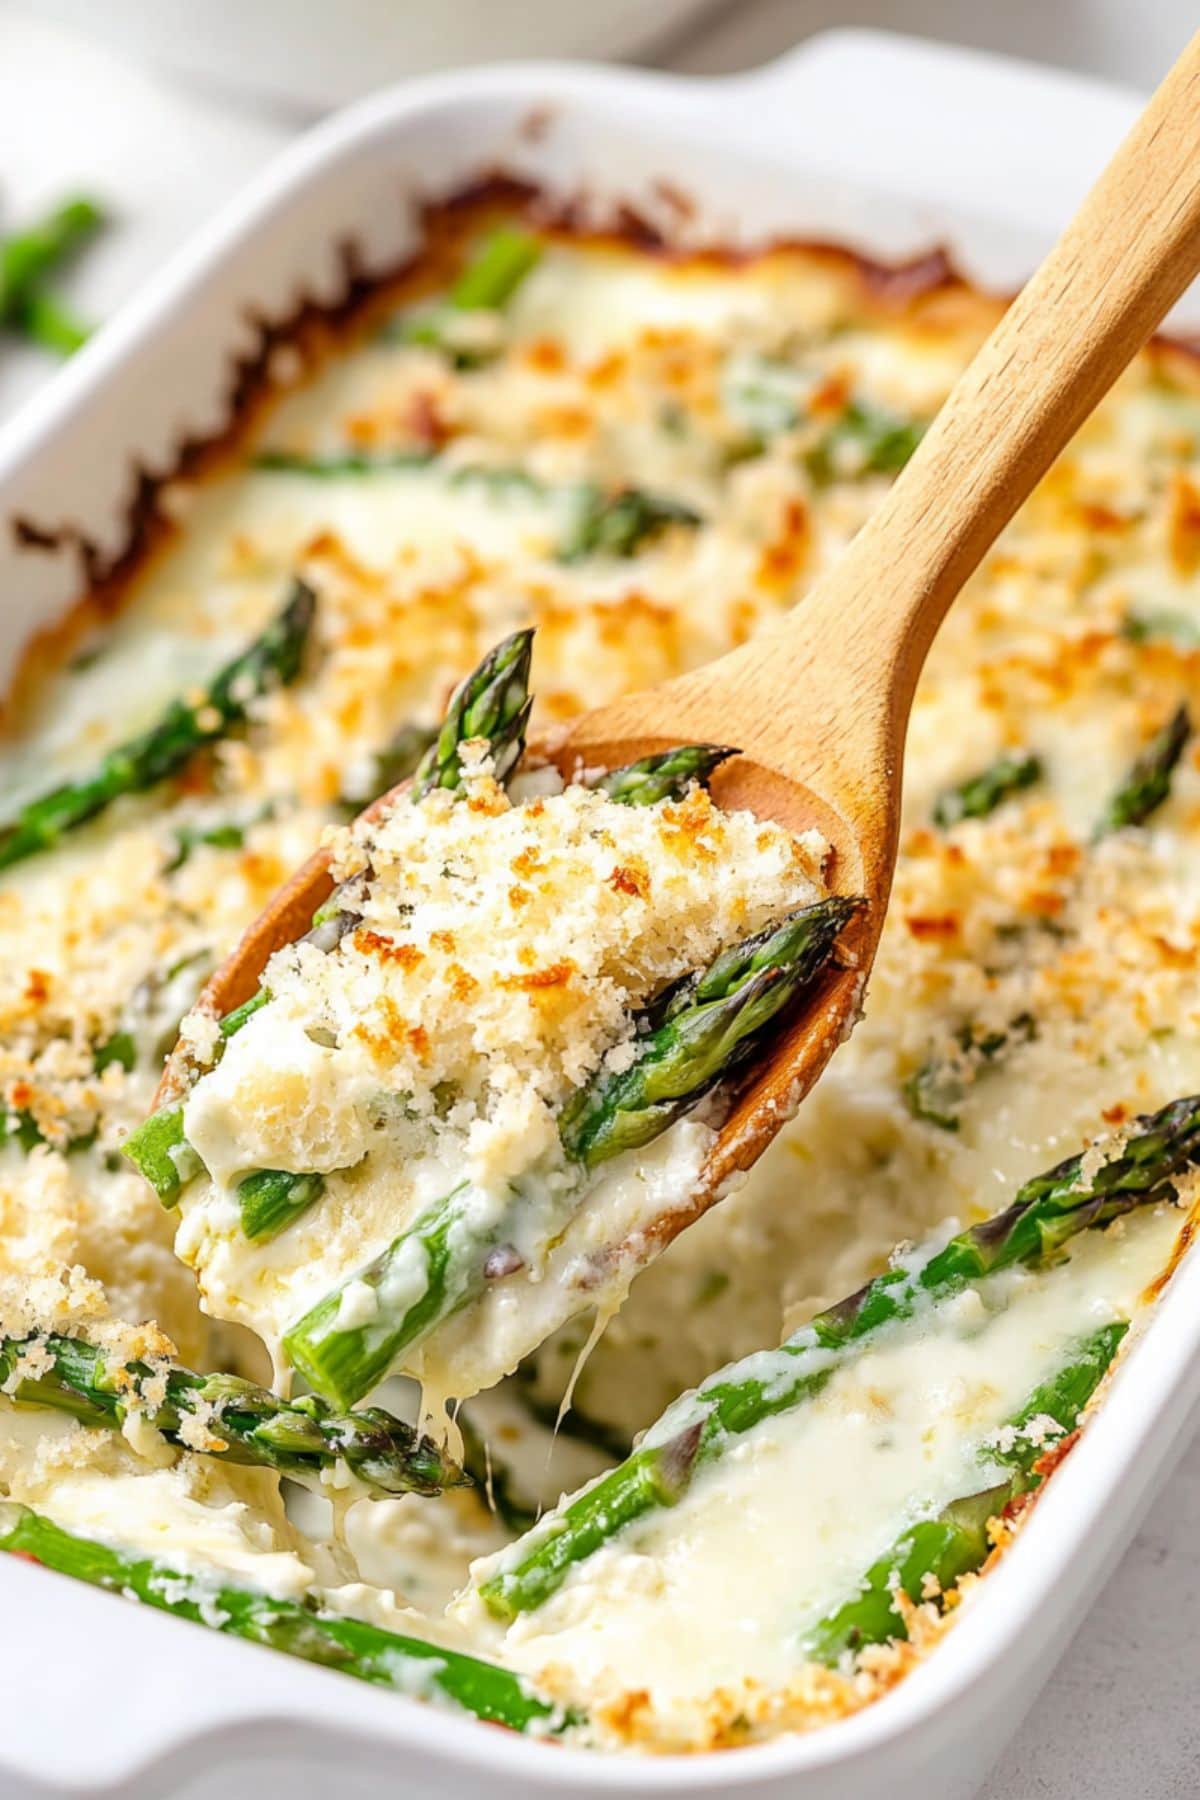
(827,696)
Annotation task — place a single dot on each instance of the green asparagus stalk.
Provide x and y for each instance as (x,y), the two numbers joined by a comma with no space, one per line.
(271,1199)
(865,440)
(711,1027)
(27,257)
(491,703)
(498,479)
(1149,625)
(26,260)
(702,1426)
(338,463)
(119,1048)
(337,1359)
(935,1092)
(486,284)
(184,728)
(494,1479)
(22,1129)
(981,794)
(299,1628)
(572,1423)
(707,1028)
(1149,780)
(158,1149)
(300,1437)
(666,776)
(49,323)
(935,1553)
(619,524)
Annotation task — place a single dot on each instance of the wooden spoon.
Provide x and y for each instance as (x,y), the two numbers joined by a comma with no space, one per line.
(820,705)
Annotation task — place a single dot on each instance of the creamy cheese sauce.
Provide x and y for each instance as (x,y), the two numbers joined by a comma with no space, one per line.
(719,1589)
(772,398)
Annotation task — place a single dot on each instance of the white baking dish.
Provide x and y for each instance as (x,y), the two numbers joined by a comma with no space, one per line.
(856,137)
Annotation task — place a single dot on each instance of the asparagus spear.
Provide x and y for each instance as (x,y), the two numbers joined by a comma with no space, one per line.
(493,703)
(299,1628)
(158,1148)
(340,462)
(448,1260)
(487,284)
(489,281)
(274,1198)
(708,1029)
(666,776)
(233,1021)
(270,1199)
(390,766)
(702,1426)
(185,727)
(935,1092)
(494,1479)
(956,1541)
(51,324)
(865,440)
(1149,780)
(22,1128)
(1148,625)
(28,257)
(619,524)
(499,478)
(981,794)
(119,1048)
(255,1426)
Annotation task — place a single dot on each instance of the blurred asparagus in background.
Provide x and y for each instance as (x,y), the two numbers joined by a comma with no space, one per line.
(29,258)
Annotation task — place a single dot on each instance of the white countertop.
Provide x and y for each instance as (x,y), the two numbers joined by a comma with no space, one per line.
(1118,1717)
